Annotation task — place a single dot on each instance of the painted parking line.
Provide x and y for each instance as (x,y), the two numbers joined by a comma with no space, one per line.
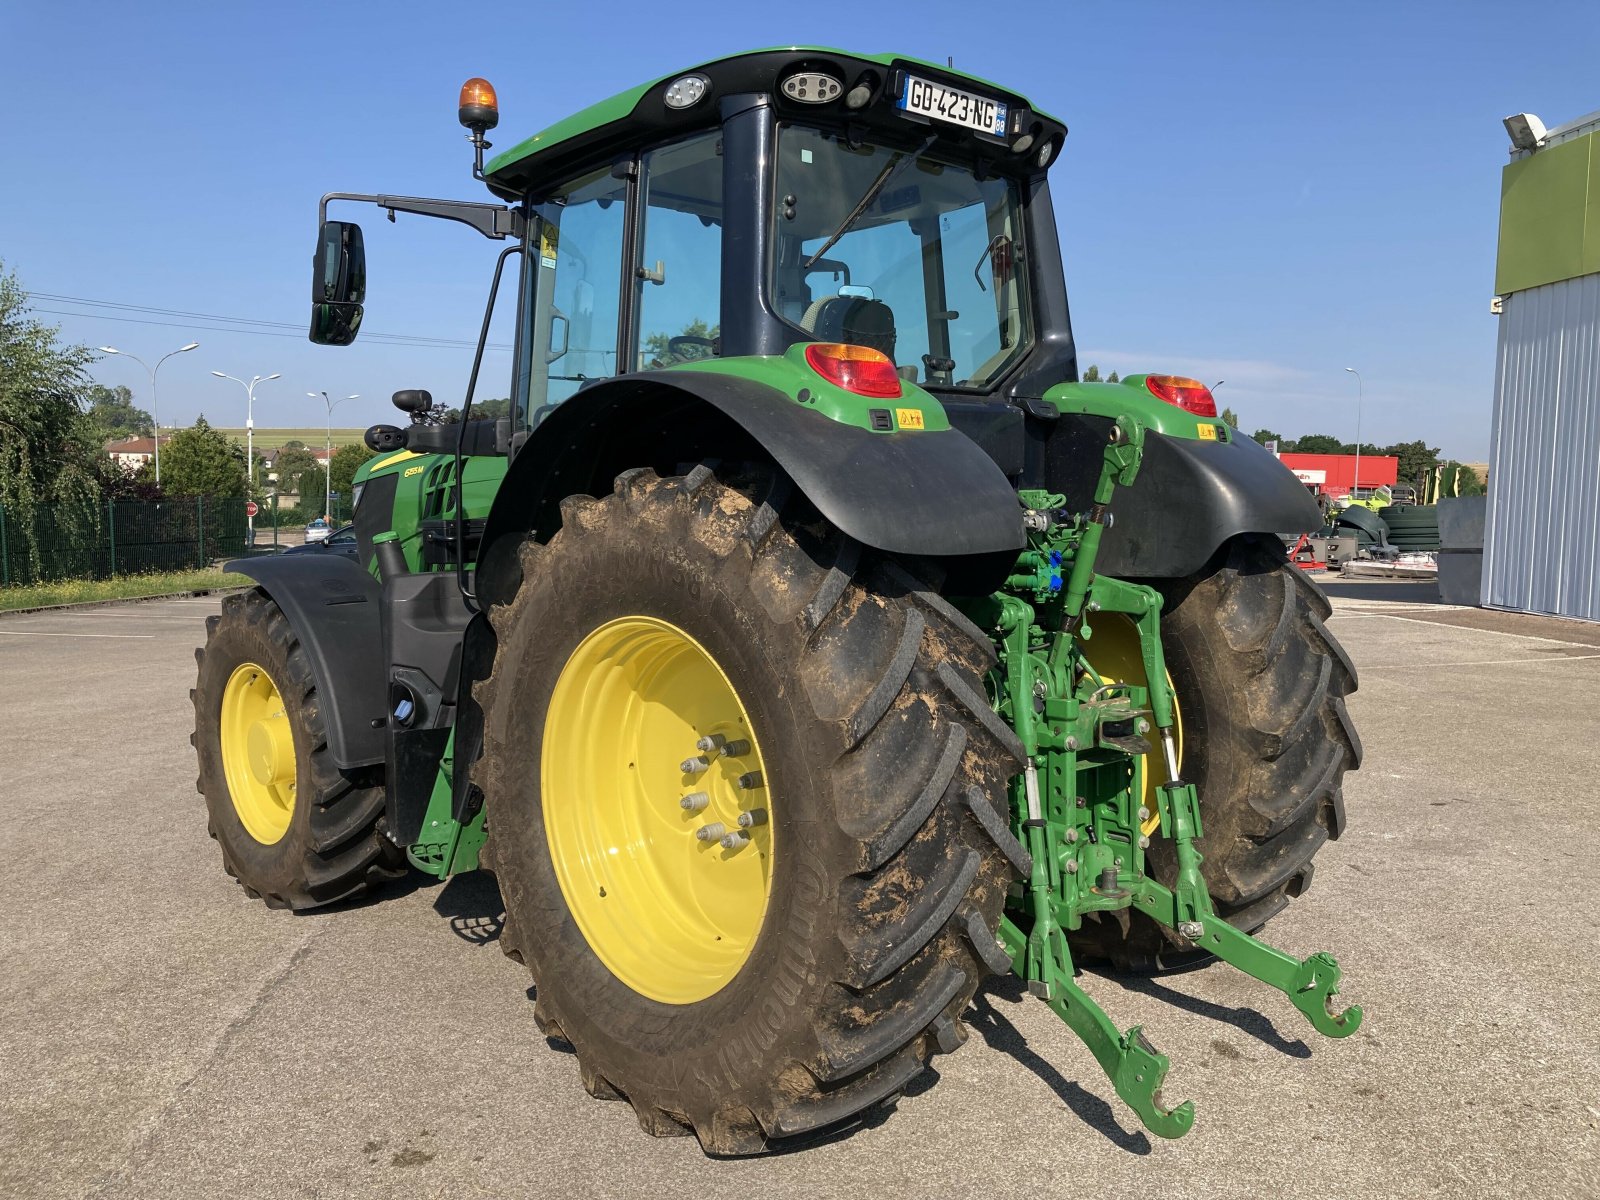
(1530,637)
(44,633)
(1493,662)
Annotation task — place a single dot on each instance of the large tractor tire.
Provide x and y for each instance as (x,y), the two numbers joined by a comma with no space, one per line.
(295,831)
(1261,686)
(753,991)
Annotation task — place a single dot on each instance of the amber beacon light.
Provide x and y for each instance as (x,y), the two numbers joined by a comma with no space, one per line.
(480,110)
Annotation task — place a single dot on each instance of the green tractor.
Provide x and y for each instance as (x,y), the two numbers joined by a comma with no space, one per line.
(778,651)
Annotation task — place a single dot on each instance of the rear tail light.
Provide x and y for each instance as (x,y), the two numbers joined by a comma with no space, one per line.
(1188,394)
(858,369)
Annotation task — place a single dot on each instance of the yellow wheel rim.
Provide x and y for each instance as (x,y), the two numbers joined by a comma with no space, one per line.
(663,903)
(258,757)
(1113,652)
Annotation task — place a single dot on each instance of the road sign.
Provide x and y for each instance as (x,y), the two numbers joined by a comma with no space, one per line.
(251,508)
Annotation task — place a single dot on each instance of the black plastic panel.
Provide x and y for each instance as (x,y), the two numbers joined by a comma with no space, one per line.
(333,607)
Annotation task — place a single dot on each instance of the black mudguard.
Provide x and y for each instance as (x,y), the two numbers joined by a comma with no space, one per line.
(1189,499)
(334,608)
(920,494)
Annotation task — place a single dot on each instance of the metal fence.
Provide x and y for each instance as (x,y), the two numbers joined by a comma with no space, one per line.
(118,537)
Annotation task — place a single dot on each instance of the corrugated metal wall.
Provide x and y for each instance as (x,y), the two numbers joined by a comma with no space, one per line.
(1542,542)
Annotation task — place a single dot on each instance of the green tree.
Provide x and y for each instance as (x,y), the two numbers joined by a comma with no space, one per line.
(298,471)
(294,444)
(658,346)
(1318,443)
(1285,445)
(200,461)
(114,414)
(343,466)
(48,447)
(1417,461)
(1113,378)
(490,410)
(1230,418)
(1091,375)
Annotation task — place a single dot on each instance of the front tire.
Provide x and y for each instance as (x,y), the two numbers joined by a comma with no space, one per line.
(294,830)
(885,778)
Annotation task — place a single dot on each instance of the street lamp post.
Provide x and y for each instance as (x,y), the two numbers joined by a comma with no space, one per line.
(1360,389)
(249,431)
(327,449)
(155,407)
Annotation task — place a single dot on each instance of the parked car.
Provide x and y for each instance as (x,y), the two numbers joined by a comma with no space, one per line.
(317,531)
(336,541)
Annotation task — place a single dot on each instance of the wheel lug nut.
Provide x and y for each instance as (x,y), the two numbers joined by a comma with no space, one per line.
(735,841)
(693,766)
(711,743)
(694,802)
(750,780)
(756,816)
(712,832)
(736,749)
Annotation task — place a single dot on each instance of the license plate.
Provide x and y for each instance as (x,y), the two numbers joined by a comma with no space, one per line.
(942,103)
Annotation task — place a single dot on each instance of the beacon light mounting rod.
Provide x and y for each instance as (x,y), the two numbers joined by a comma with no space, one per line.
(491,220)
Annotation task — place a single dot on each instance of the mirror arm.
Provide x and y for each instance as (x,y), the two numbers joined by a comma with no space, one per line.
(491,220)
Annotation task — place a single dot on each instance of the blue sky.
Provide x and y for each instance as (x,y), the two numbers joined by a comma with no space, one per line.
(1261,193)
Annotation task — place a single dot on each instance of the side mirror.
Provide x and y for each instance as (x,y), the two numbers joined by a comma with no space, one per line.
(338,284)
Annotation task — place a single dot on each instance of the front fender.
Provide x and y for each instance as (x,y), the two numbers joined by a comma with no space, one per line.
(334,607)
(924,493)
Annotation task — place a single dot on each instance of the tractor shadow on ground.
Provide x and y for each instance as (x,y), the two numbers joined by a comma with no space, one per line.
(472,905)
(1000,1034)
(1245,1020)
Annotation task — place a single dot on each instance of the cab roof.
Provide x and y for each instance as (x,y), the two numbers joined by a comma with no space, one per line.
(641,113)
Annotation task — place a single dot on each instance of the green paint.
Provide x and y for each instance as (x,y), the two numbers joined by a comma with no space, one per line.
(1130,396)
(445,846)
(792,375)
(1550,216)
(423,493)
(623,104)
(1076,808)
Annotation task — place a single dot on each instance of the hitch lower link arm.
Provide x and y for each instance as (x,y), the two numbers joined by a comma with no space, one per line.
(1136,1069)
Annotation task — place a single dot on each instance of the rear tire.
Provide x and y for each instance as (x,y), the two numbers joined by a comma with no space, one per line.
(887,769)
(332,846)
(1261,686)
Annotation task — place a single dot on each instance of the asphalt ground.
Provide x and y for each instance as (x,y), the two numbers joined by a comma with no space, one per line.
(160,1035)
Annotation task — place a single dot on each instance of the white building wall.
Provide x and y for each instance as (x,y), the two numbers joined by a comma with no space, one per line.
(1542,539)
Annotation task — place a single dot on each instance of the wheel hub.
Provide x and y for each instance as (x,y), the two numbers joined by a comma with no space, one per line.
(656,809)
(258,756)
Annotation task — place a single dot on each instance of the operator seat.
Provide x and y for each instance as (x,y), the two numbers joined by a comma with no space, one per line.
(855,320)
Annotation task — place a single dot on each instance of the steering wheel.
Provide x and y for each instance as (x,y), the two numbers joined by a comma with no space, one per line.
(676,345)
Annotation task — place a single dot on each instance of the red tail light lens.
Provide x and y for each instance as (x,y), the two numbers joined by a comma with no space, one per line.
(858,369)
(1188,394)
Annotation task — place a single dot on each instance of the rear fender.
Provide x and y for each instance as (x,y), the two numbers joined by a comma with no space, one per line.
(1201,483)
(925,493)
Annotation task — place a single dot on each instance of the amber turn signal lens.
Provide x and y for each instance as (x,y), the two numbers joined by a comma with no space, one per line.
(1188,394)
(479,107)
(858,369)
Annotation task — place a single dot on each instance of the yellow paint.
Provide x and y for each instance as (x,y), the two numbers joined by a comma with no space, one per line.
(1208,433)
(258,757)
(394,458)
(908,418)
(1113,652)
(673,917)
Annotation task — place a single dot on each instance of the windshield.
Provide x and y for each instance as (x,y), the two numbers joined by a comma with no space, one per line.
(928,270)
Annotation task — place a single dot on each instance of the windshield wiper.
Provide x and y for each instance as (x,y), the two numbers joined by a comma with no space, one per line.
(890,170)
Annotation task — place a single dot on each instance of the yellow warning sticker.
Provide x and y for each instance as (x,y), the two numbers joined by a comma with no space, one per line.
(1208,433)
(908,418)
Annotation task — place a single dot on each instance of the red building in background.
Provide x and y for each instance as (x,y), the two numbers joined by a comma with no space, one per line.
(1337,472)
